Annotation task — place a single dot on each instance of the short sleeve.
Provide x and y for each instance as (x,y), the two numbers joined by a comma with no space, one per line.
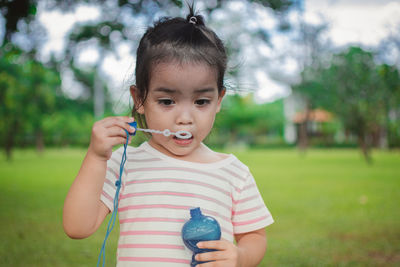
(112,175)
(249,210)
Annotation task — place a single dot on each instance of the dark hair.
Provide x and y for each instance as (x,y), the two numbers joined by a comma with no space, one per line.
(176,40)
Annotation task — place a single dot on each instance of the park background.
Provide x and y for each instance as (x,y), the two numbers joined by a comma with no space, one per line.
(313,109)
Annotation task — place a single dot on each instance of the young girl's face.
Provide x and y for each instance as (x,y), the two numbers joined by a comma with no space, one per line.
(181,97)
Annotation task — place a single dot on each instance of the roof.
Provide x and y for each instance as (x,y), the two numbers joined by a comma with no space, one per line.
(317,115)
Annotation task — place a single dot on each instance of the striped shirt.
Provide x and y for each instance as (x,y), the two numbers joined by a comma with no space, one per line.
(157,193)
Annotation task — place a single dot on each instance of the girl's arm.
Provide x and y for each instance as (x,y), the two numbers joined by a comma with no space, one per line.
(252,247)
(83,210)
(248,252)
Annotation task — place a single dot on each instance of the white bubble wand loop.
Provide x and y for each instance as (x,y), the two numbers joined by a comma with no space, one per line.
(179,134)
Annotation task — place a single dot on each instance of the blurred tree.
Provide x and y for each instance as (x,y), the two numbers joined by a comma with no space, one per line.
(352,89)
(389,48)
(313,49)
(100,35)
(119,21)
(13,11)
(70,123)
(391,80)
(241,119)
(116,26)
(389,52)
(68,127)
(27,92)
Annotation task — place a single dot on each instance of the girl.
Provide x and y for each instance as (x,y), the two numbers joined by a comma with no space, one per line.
(179,86)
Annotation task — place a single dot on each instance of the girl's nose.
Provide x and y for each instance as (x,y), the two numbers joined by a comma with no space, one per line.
(184,116)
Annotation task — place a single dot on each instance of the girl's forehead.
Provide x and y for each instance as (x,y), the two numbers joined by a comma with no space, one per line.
(178,66)
(177,74)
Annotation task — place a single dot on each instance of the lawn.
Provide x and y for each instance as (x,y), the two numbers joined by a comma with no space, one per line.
(330,208)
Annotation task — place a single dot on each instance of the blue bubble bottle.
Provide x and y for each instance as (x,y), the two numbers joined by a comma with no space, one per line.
(199,228)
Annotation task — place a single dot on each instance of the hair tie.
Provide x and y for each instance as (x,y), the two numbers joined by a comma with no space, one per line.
(193,20)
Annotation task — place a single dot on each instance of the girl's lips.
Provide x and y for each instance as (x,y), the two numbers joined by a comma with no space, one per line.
(183,142)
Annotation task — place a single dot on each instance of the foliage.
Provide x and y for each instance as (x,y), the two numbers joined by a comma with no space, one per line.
(352,88)
(391,79)
(27,92)
(36,109)
(90,81)
(13,11)
(65,127)
(116,26)
(242,120)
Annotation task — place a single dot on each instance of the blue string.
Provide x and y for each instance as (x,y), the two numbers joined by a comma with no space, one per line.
(111,222)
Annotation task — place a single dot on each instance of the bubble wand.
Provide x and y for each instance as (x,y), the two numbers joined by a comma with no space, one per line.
(179,134)
(167,132)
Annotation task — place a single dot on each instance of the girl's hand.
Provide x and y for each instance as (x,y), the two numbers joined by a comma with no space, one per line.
(107,133)
(227,254)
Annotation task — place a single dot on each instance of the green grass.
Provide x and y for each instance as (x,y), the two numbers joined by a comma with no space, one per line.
(32,192)
(330,209)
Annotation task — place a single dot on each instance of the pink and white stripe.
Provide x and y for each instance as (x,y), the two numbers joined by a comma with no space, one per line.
(157,194)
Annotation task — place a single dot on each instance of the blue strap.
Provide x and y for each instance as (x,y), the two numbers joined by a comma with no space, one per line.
(111,222)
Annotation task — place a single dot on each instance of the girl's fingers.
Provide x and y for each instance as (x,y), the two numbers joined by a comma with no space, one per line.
(121,121)
(115,131)
(211,256)
(110,121)
(110,132)
(225,251)
(214,244)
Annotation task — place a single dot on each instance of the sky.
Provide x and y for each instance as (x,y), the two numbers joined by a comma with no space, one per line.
(351,22)
(356,21)
(359,22)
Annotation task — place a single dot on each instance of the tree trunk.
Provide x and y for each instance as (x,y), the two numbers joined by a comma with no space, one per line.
(39,141)
(363,144)
(8,146)
(10,139)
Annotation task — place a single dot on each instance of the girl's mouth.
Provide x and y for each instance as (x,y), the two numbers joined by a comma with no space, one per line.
(183,141)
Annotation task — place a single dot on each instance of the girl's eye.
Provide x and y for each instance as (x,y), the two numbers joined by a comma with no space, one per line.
(165,102)
(202,102)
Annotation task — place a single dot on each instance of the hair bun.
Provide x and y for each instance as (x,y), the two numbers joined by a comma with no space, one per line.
(195,20)
(192,18)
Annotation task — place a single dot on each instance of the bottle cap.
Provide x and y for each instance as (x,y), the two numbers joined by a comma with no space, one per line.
(195,212)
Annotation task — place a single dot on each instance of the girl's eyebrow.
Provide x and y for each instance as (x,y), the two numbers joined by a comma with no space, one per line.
(205,90)
(174,91)
(165,90)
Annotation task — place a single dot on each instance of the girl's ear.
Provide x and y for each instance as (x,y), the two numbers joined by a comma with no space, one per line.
(134,92)
(221,95)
